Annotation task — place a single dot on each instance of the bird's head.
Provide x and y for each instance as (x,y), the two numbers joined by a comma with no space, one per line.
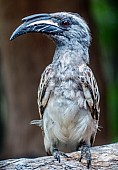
(60,26)
(64,28)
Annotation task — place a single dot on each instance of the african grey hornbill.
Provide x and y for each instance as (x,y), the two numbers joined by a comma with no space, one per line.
(68,96)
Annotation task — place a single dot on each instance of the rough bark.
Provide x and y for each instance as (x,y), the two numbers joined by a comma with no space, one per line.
(103,158)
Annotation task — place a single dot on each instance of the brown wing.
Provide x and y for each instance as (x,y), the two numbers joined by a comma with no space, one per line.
(91,93)
(90,90)
(44,89)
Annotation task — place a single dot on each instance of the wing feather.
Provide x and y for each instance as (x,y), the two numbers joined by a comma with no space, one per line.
(90,90)
(44,90)
(91,94)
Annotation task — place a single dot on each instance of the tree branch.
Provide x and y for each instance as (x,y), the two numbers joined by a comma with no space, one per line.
(103,158)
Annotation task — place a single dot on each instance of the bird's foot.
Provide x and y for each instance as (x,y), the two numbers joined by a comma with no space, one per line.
(63,154)
(85,151)
(57,154)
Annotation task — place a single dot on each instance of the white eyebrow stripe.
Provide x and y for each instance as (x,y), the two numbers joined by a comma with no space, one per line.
(43,22)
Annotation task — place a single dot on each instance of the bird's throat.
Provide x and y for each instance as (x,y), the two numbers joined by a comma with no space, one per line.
(66,56)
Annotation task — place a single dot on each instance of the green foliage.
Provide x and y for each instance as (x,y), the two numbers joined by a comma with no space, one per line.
(106,20)
(113,110)
(105,14)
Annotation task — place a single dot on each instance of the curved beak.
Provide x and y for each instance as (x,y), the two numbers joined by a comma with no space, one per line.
(37,23)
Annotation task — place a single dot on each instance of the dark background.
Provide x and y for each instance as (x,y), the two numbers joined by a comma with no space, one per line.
(23,60)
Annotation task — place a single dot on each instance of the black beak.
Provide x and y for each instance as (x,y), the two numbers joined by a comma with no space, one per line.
(37,23)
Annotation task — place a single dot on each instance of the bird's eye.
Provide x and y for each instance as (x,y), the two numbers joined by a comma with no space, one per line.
(65,23)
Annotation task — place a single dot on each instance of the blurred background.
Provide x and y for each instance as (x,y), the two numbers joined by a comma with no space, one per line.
(23,60)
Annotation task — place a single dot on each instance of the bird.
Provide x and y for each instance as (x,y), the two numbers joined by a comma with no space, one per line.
(68,94)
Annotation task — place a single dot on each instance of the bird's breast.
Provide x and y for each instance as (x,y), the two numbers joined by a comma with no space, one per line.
(63,102)
(63,109)
(68,121)
(63,113)
(67,88)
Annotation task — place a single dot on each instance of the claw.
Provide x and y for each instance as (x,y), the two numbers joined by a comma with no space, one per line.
(85,150)
(63,154)
(88,163)
(56,155)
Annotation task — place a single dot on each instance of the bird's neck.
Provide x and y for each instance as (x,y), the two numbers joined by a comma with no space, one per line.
(69,55)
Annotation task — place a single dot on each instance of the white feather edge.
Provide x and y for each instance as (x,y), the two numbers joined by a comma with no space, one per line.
(37,123)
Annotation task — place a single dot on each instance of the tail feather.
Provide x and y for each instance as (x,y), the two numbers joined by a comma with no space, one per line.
(37,122)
